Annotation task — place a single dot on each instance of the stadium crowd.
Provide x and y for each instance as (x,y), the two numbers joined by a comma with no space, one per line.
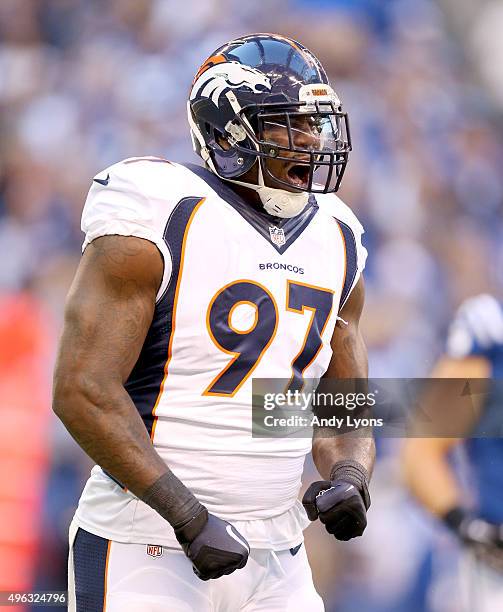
(84,84)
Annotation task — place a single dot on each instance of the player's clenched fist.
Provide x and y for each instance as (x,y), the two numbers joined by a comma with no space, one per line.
(214,546)
(341,505)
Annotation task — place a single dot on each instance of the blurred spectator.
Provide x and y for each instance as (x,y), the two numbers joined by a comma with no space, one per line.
(26,344)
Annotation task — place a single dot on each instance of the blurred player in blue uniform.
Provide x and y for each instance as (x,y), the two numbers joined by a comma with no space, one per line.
(474,513)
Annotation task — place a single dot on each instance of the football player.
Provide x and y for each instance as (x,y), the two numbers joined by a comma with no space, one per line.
(193,280)
(474,352)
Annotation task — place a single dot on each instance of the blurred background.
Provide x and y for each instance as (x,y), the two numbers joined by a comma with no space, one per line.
(85,83)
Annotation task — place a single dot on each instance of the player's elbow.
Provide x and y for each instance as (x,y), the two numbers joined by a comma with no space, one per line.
(73,391)
(63,392)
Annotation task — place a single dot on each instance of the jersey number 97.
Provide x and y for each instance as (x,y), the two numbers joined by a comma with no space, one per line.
(247,347)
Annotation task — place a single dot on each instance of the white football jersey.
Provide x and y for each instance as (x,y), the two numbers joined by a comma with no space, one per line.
(243,296)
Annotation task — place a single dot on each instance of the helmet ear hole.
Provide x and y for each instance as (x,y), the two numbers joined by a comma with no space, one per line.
(222,141)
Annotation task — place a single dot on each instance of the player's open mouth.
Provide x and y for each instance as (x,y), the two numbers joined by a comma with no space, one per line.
(298,175)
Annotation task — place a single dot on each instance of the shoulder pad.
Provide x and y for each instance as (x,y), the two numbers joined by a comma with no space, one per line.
(477,327)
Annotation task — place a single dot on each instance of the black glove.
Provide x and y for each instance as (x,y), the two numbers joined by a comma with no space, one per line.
(214,546)
(483,537)
(341,503)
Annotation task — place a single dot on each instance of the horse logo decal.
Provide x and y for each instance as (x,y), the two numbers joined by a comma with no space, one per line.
(222,77)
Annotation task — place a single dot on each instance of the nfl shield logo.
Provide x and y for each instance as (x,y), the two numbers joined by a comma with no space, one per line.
(277,235)
(154,550)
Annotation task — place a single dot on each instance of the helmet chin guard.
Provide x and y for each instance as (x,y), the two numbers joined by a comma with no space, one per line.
(277,202)
(281,203)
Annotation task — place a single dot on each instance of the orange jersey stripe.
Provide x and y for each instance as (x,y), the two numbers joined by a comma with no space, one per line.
(106,576)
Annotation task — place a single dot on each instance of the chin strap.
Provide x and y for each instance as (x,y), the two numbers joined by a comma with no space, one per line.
(281,203)
(276,202)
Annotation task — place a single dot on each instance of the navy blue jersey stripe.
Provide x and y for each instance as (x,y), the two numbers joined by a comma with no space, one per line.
(351,261)
(90,565)
(146,379)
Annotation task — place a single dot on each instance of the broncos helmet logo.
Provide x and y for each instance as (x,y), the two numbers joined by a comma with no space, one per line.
(222,77)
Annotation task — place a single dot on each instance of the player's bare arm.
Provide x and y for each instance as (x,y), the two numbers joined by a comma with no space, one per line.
(473,341)
(345,461)
(427,468)
(108,313)
(425,460)
(349,360)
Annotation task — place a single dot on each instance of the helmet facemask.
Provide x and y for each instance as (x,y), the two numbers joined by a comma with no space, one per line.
(311,140)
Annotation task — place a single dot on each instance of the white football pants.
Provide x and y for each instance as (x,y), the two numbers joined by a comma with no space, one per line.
(117,577)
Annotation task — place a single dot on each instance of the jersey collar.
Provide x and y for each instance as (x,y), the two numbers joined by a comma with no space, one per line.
(279,233)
